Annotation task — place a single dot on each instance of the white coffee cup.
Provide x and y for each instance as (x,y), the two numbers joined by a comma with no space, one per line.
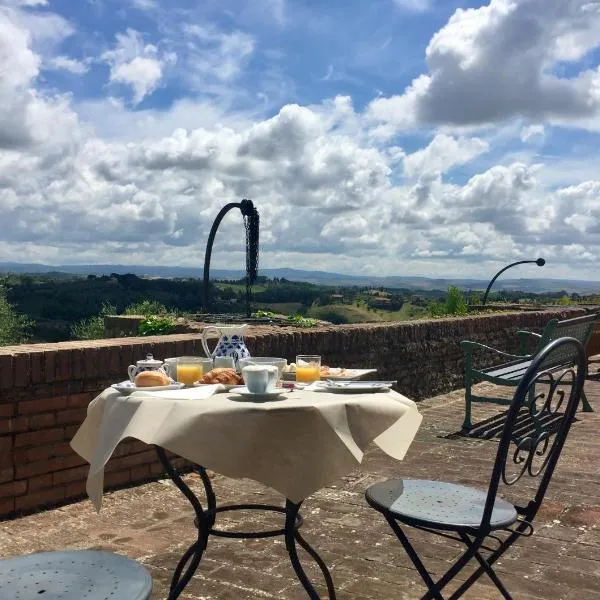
(260,378)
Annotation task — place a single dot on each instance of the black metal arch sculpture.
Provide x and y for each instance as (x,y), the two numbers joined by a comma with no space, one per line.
(252,227)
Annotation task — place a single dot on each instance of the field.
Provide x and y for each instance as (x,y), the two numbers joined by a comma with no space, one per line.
(283,308)
(350,313)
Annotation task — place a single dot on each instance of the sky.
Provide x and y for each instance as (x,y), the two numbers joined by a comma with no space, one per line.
(440,138)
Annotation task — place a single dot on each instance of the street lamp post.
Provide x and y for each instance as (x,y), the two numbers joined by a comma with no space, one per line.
(540,262)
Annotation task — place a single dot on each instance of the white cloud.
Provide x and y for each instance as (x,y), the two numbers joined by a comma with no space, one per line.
(496,62)
(136,64)
(443,153)
(31,3)
(65,63)
(417,6)
(95,181)
(216,53)
(533,133)
(145,5)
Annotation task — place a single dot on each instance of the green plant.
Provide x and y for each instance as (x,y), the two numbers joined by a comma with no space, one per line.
(14,327)
(260,314)
(156,325)
(299,321)
(146,308)
(455,302)
(565,300)
(93,327)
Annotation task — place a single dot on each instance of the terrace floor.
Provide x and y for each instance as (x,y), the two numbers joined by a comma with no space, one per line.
(153,524)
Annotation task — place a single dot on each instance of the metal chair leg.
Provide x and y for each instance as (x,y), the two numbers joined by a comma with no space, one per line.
(584,403)
(487,568)
(467,424)
(504,546)
(435,587)
(415,558)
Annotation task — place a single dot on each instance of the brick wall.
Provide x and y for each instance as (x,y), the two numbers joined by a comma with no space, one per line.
(45,389)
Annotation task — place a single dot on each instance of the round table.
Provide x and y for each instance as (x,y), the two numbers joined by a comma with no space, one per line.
(295,445)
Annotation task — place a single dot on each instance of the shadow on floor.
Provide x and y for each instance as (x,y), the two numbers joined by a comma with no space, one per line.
(491,428)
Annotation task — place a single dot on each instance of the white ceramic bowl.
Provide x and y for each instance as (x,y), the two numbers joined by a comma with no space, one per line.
(280,363)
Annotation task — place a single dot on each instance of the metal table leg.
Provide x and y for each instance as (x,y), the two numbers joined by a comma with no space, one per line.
(205,521)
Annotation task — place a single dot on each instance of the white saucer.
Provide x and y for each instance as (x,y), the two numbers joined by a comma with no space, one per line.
(272,395)
(127,387)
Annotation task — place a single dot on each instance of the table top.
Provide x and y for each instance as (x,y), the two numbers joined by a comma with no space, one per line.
(296,445)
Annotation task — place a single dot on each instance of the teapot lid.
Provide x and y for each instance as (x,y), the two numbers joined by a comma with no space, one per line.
(149,361)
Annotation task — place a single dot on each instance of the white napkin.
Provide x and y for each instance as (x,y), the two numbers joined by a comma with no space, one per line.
(193,393)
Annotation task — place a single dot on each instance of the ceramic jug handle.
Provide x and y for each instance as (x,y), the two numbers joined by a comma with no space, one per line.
(205,332)
(131,371)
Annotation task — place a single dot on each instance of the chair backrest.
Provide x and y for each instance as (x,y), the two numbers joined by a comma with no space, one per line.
(537,424)
(580,328)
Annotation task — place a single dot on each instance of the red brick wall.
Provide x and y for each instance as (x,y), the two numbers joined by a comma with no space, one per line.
(45,389)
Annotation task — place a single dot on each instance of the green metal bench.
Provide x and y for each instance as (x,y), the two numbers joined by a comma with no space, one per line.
(510,373)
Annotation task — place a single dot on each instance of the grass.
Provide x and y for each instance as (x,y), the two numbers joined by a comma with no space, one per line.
(282,308)
(344,313)
(350,313)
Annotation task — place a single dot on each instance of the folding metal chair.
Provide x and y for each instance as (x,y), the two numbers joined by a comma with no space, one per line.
(530,445)
(73,575)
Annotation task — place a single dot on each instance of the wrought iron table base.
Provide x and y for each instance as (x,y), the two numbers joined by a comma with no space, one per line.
(205,521)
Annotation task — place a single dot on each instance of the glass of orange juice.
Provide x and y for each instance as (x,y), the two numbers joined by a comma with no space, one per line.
(308,368)
(191,368)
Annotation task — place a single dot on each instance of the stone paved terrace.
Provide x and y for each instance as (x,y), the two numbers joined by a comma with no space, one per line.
(153,524)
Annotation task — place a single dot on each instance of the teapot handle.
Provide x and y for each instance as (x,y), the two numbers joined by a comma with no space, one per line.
(132,372)
(205,332)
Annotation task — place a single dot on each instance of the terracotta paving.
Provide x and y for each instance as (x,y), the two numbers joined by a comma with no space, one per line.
(153,524)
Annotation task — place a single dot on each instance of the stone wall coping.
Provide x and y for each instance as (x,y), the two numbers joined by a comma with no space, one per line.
(261,330)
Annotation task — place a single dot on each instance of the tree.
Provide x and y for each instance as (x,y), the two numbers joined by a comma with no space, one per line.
(455,303)
(14,327)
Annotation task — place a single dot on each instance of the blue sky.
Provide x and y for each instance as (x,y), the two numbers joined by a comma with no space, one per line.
(423,137)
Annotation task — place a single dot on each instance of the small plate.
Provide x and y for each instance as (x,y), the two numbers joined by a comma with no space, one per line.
(273,395)
(356,387)
(127,387)
(337,375)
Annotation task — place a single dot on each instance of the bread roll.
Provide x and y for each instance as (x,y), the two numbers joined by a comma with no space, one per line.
(151,378)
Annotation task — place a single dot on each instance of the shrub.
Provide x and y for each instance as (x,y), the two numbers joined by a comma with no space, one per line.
(156,325)
(93,327)
(146,308)
(14,327)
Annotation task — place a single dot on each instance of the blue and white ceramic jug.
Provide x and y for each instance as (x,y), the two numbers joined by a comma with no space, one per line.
(231,343)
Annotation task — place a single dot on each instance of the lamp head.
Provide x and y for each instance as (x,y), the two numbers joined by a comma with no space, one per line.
(540,262)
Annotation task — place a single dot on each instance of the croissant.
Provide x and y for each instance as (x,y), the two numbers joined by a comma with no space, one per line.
(223,375)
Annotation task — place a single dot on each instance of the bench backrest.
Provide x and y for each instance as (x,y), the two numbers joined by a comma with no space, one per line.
(580,328)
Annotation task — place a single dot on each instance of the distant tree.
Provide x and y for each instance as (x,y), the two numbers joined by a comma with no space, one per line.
(455,303)
(14,327)
(474,297)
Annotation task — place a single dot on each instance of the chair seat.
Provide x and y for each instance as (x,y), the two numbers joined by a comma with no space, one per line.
(75,575)
(437,505)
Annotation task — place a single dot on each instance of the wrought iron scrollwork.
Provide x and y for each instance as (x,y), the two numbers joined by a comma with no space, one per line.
(534,436)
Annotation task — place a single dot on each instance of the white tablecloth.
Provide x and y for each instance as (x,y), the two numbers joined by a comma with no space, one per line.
(296,445)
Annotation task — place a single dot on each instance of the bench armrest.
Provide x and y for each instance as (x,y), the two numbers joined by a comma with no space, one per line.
(524,337)
(468,347)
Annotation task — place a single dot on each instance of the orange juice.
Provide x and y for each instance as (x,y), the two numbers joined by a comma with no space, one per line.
(189,373)
(308,373)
